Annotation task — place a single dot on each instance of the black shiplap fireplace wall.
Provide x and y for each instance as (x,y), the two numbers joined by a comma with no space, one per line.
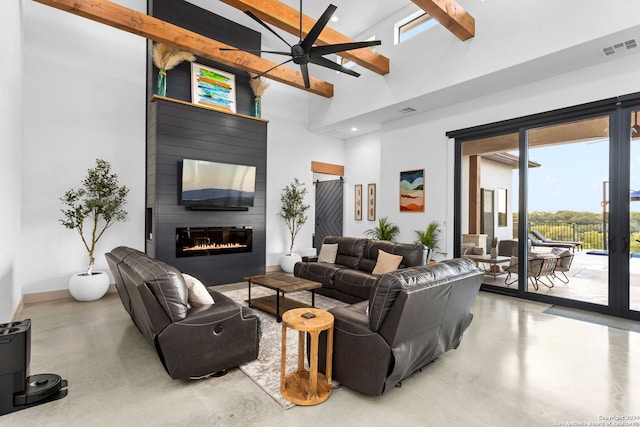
(179,130)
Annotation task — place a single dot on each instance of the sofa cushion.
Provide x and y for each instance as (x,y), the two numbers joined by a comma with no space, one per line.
(328,253)
(165,283)
(197,292)
(350,250)
(354,282)
(386,263)
(412,254)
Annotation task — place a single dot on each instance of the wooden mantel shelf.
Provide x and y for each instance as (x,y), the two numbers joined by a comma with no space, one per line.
(179,101)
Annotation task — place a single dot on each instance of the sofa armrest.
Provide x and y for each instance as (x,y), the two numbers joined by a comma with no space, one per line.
(210,339)
(313,258)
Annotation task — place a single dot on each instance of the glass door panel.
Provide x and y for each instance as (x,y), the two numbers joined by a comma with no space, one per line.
(634,214)
(567,199)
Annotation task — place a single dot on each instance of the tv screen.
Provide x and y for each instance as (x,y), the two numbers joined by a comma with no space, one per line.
(217,185)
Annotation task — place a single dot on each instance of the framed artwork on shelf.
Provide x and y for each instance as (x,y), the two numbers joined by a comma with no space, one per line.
(213,88)
(358,202)
(412,191)
(371,202)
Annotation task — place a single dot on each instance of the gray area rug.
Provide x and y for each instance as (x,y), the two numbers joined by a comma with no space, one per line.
(265,370)
(597,318)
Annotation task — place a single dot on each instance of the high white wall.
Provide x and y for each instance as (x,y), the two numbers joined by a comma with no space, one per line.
(10,154)
(420,141)
(84,98)
(291,148)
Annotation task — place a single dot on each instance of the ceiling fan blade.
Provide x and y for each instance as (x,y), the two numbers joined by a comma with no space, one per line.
(317,28)
(275,52)
(261,22)
(305,75)
(318,51)
(324,62)
(271,69)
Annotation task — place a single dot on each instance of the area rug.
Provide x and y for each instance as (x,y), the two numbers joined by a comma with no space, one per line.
(597,318)
(265,370)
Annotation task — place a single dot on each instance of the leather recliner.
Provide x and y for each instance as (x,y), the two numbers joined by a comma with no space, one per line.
(191,342)
(413,315)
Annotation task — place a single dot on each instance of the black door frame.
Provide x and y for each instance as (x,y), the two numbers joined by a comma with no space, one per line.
(619,110)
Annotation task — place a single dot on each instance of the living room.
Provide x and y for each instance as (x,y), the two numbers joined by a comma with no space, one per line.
(75,91)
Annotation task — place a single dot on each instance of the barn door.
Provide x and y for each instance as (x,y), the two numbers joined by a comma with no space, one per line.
(328,221)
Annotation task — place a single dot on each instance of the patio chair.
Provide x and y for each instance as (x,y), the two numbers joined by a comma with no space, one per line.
(542,237)
(538,269)
(565,258)
(535,242)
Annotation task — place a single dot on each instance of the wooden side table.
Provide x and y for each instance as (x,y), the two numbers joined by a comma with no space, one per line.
(304,387)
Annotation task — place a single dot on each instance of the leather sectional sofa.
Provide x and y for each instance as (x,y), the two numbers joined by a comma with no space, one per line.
(413,315)
(191,341)
(349,279)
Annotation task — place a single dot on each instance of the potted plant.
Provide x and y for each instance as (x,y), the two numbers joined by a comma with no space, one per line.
(98,204)
(385,230)
(293,211)
(494,247)
(430,238)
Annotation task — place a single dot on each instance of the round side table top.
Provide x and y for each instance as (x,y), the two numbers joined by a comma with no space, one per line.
(294,319)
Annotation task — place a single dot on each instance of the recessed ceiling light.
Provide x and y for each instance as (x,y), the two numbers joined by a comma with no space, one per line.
(334,19)
(354,129)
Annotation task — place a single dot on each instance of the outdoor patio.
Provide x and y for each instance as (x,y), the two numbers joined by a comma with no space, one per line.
(587,280)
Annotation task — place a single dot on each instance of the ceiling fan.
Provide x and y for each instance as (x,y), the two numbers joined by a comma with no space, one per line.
(304,52)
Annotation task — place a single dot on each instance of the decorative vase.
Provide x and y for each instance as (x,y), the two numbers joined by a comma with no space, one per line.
(89,287)
(288,261)
(257,107)
(494,252)
(162,82)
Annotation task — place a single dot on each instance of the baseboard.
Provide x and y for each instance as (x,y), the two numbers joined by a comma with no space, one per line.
(272,268)
(18,313)
(53,295)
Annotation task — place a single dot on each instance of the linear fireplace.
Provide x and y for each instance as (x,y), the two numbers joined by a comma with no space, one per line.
(201,241)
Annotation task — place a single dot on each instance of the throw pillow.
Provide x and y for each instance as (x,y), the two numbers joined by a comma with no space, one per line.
(197,292)
(386,262)
(328,253)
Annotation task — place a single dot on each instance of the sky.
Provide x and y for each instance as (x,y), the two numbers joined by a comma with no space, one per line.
(571,176)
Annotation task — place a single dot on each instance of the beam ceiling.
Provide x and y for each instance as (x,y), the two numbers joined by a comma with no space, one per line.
(287,18)
(138,23)
(451,15)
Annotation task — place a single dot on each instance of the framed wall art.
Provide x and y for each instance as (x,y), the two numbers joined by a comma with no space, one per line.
(213,88)
(371,202)
(358,202)
(412,191)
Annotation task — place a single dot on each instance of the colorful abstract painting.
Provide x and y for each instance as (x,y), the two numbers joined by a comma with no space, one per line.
(213,88)
(412,191)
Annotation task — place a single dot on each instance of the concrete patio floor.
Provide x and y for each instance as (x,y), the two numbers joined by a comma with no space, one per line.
(588,280)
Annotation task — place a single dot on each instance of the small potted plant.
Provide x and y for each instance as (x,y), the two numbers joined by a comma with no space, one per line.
(385,230)
(430,238)
(494,247)
(99,204)
(293,211)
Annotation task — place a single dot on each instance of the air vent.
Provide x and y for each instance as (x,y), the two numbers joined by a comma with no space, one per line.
(610,50)
(408,110)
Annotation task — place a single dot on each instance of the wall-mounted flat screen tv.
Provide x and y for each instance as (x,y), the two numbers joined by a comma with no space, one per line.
(217,185)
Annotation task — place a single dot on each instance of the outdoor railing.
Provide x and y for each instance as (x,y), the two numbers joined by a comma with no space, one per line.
(589,233)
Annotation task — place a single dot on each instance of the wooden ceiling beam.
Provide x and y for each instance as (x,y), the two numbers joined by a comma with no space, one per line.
(138,23)
(287,18)
(451,15)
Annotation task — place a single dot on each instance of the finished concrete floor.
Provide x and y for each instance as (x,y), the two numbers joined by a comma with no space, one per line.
(516,366)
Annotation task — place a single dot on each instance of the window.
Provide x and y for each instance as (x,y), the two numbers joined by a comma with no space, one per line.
(412,25)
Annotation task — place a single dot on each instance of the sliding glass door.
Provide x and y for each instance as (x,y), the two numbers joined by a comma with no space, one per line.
(564,205)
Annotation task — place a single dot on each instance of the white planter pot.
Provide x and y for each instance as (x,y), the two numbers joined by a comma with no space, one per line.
(287,261)
(85,287)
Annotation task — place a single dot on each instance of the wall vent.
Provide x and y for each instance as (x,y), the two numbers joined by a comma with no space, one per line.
(610,50)
(408,110)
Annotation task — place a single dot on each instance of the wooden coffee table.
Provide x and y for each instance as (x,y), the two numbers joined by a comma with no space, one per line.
(282,284)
